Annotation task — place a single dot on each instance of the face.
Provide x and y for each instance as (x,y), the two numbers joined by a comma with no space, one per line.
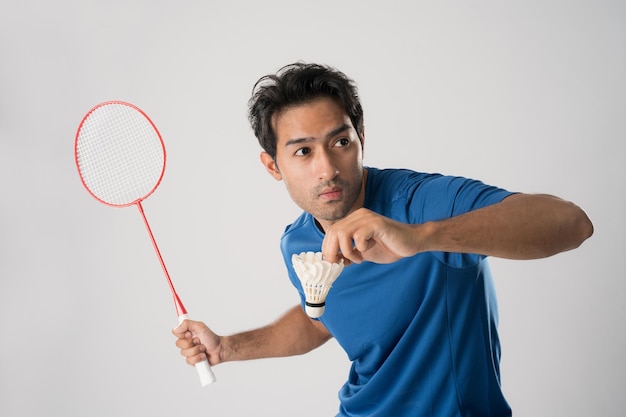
(319,156)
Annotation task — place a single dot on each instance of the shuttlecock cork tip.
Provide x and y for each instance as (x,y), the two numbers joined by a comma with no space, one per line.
(316,276)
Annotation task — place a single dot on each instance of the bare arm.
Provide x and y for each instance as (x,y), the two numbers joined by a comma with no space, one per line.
(293,334)
(522,226)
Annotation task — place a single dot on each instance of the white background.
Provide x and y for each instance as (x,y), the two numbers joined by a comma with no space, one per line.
(527,95)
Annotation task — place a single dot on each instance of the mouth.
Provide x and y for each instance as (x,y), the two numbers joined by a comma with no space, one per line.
(331,194)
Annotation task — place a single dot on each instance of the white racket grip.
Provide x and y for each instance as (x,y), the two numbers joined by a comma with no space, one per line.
(204,369)
(205,373)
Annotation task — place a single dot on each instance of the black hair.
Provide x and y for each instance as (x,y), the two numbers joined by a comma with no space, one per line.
(297,84)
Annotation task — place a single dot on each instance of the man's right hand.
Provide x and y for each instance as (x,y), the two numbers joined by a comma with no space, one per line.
(197,342)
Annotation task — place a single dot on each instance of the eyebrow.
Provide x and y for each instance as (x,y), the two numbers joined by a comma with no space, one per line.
(330,134)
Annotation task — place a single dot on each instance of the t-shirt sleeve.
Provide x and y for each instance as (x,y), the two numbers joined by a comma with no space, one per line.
(441,197)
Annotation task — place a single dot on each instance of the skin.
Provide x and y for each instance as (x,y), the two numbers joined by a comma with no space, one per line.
(320,159)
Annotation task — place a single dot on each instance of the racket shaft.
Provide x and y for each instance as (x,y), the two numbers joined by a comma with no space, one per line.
(204,369)
(180,308)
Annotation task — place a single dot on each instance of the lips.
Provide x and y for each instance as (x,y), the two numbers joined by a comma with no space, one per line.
(333,193)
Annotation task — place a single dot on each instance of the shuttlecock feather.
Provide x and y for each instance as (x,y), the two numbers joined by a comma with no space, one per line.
(317,277)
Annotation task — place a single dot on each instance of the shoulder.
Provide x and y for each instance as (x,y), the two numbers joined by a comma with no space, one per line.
(392,185)
(396,182)
(301,236)
(418,196)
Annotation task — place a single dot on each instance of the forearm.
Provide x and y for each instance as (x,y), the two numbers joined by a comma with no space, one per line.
(522,226)
(293,334)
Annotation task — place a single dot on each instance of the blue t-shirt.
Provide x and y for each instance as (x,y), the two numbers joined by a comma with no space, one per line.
(421,332)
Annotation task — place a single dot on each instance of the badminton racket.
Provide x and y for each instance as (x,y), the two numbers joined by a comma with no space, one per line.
(120,157)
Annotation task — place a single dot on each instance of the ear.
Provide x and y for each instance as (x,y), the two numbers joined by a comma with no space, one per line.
(363,141)
(270,165)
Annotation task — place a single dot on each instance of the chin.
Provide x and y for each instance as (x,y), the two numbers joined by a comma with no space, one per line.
(331,216)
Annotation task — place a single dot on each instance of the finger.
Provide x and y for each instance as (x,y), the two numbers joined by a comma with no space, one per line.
(183,327)
(351,255)
(362,241)
(347,248)
(346,262)
(194,355)
(330,248)
(184,343)
(192,350)
(195,359)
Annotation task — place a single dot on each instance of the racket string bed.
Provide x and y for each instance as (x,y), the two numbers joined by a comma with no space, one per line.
(121,157)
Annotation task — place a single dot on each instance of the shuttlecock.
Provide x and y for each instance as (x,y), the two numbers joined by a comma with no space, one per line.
(317,277)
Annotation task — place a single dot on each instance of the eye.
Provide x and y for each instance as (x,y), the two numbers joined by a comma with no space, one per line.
(342,142)
(303,151)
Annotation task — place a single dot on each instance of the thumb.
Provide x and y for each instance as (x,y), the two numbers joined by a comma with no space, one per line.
(181,328)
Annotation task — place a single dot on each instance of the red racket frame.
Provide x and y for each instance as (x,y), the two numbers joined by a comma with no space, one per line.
(180,308)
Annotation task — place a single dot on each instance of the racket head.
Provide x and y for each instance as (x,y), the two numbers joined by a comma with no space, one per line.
(119,154)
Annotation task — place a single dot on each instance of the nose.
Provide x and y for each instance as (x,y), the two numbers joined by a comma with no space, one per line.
(326,166)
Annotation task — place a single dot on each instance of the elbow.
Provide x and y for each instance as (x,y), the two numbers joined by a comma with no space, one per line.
(585,227)
(582,228)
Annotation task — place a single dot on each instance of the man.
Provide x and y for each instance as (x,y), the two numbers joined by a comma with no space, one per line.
(415,307)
